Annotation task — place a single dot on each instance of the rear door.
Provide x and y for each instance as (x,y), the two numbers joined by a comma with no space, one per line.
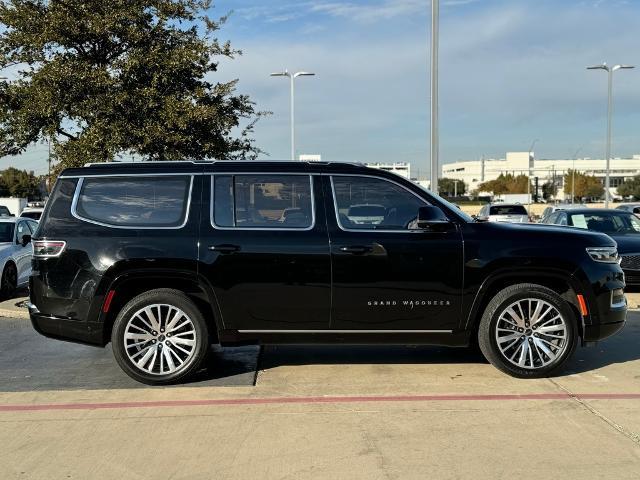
(386,275)
(264,249)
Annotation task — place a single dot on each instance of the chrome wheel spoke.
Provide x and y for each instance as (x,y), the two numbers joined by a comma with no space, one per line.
(160,339)
(531,333)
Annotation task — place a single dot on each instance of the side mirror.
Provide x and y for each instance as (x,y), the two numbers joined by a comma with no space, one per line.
(26,240)
(431,217)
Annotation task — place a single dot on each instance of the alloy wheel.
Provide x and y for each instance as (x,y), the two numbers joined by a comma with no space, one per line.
(531,333)
(160,339)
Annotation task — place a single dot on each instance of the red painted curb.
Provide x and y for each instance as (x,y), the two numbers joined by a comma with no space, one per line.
(312,400)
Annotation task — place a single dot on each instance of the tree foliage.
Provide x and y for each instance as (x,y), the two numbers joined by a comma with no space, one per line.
(447,187)
(549,190)
(109,78)
(587,186)
(630,188)
(506,183)
(19,183)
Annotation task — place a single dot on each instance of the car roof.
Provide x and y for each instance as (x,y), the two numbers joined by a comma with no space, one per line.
(499,204)
(199,167)
(600,210)
(12,219)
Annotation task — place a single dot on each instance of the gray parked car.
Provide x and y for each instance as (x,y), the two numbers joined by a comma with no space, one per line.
(15,253)
(630,207)
(560,206)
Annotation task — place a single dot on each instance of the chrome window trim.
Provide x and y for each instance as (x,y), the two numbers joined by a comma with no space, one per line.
(76,195)
(337,214)
(345,331)
(262,229)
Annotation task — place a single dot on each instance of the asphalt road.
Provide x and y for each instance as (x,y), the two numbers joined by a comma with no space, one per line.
(66,411)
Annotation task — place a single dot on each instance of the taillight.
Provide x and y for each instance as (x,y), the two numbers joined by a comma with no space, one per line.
(48,248)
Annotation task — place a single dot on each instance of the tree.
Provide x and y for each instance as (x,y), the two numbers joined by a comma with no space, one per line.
(107,78)
(549,190)
(630,188)
(447,187)
(585,185)
(506,184)
(19,183)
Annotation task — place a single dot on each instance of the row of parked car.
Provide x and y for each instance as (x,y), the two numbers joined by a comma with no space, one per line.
(622,224)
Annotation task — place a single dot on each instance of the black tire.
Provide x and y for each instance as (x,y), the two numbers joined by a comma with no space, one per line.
(487,337)
(9,282)
(198,329)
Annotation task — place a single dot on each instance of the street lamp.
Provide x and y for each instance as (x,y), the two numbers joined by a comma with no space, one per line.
(293,77)
(435,149)
(609,70)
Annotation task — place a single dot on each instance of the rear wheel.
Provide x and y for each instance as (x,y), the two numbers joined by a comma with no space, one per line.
(528,331)
(160,337)
(9,282)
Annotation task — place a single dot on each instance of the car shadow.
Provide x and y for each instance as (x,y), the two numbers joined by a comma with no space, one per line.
(30,362)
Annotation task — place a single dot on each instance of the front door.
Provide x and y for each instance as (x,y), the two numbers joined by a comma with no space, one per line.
(387,275)
(264,248)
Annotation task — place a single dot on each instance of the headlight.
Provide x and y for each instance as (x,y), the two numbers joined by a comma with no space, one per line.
(603,254)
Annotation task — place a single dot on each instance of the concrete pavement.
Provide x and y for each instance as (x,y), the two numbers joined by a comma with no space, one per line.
(320,412)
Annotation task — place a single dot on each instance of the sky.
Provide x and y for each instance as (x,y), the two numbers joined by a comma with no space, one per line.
(511,72)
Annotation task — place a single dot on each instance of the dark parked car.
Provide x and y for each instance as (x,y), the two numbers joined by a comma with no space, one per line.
(163,259)
(621,225)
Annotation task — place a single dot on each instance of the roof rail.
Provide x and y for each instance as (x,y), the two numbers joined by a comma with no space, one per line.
(164,162)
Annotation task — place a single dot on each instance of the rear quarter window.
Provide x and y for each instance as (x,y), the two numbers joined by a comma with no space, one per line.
(146,202)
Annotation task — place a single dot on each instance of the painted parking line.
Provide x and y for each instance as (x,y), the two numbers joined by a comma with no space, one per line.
(313,400)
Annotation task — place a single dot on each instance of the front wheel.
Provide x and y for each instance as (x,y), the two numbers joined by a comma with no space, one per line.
(160,337)
(528,331)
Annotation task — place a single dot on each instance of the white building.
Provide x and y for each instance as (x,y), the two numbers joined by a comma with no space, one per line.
(401,168)
(474,172)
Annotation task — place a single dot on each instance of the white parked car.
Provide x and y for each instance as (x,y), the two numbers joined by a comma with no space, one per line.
(33,210)
(503,212)
(15,253)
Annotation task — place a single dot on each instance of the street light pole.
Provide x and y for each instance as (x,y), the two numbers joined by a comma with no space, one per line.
(609,70)
(292,77)
(435,22)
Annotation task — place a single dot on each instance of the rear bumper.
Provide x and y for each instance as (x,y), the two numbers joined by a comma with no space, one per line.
(66,329)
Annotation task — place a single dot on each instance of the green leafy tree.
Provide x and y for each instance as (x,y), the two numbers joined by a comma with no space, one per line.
(506,183)
(549,190)
(585,185)
(447,187)
(19,183)
(105,78)
(630,188)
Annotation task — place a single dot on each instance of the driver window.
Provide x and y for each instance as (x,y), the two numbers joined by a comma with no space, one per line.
(365,203)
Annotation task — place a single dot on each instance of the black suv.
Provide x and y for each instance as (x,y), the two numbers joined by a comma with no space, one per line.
(164,259)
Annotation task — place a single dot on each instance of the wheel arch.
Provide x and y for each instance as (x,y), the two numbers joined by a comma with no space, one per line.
(560,282)
(130,284)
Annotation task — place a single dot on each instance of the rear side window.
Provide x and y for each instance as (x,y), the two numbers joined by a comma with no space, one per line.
(262,201)
(145,202)
(508,210)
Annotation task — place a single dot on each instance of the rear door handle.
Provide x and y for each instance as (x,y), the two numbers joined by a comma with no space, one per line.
(224,248)
(356,249)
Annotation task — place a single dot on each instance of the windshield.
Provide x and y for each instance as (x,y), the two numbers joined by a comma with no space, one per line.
(608,222)
(6,232)
(507,210)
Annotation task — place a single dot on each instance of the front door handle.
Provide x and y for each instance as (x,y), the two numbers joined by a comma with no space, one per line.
(356,249)
(224,248)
